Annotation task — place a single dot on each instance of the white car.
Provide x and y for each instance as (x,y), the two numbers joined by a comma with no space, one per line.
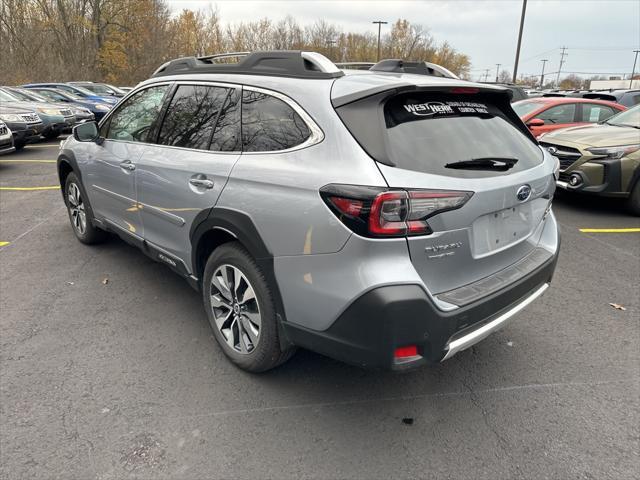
(6,139)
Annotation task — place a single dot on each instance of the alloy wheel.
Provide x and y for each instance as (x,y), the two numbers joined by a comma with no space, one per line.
(235,308)
(76,209)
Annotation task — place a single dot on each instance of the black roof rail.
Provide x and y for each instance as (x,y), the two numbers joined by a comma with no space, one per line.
(420,68)
(282,63)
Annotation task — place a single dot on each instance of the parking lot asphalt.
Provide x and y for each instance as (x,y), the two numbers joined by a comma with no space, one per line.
(109,370)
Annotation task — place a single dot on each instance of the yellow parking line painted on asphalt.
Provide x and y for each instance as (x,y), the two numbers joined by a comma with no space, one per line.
(610,230)
(27,161)
(28,189)
(4,244)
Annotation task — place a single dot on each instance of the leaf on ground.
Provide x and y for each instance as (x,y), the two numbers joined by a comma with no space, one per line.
(617,306)
(105,281)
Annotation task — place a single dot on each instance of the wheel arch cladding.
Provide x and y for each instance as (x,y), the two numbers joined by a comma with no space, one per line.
(66,164)
(218,225)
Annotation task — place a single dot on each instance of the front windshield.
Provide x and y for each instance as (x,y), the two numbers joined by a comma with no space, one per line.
(5,97)
(629,118)
(30,94)
(80,91)
(19,95)
(525,107)
(98,88)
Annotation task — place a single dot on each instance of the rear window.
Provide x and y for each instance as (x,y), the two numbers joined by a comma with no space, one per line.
(427,131)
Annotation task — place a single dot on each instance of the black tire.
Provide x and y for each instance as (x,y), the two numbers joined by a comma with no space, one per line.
(266,353)
(51,135)
(85,231)
(18,146)
(633,202)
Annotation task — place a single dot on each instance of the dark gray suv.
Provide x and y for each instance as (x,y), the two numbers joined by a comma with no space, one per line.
(385,219)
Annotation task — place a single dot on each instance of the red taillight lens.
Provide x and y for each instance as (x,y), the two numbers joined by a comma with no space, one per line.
(348,206)
(388,214)
(405,352)
(376,212)
(463,90)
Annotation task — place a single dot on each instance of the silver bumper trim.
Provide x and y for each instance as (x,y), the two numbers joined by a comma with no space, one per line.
(474,337)
(563,185)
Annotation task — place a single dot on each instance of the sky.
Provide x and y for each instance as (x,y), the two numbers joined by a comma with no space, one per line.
(600,35)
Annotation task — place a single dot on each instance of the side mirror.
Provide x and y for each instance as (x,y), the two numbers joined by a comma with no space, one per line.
(536,122)
(86,132)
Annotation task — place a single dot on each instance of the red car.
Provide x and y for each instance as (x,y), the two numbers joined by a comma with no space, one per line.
(545,114)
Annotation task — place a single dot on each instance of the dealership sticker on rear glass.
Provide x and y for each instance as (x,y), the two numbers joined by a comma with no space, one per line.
(430,109)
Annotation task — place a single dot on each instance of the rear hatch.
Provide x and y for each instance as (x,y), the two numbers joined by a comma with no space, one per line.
(460,139)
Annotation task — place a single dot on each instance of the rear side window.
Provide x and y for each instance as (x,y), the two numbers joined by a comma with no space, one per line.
(269,124)
(427,131)
(595,113)
(191,116)
(559,114)
(226,134)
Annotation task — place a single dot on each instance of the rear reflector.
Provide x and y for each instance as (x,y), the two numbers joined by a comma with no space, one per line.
(406,352)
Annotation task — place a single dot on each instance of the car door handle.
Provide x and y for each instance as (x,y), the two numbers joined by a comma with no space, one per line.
(201,183)
(127,165)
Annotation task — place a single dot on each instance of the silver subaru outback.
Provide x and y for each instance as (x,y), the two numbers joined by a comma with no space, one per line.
(388,217)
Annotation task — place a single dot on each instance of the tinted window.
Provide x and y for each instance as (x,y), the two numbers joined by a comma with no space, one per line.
(559,114)
(595,113)
(134,118)
(191,116)
(269,124)
(226,134)
(426,131)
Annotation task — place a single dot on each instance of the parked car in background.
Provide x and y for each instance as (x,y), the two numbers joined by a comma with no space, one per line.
(25,124)
(82,114)
(628,98)
(546,114)
(6,139)
(98,109)
(101,89)
(600,159)
(517,92)
(55,119)
(77,91)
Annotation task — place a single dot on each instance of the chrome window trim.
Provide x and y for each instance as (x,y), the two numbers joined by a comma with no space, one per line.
(317,135)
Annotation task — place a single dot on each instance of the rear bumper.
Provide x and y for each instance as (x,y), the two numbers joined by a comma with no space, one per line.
(377,323)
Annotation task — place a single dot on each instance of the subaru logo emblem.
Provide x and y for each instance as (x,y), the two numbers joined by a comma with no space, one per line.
(552,150)
(523,193)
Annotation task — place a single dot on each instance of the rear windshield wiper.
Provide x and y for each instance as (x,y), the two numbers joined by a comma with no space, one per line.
(500,164)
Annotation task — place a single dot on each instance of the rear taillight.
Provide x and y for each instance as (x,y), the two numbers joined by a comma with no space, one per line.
(380,212)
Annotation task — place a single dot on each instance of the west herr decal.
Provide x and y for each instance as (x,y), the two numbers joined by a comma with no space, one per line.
(445,108)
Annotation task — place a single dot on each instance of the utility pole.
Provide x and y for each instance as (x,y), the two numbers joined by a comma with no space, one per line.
(380,23)
(331,43)
(633,70)
(497,69)
(544,61)
(486,74)
(515,67)
(562,55)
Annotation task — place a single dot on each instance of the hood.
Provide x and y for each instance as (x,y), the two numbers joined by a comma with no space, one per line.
(595,135)
(31,105)
(13,110)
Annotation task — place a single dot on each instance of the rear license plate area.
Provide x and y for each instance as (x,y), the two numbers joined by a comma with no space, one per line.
(503,228)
